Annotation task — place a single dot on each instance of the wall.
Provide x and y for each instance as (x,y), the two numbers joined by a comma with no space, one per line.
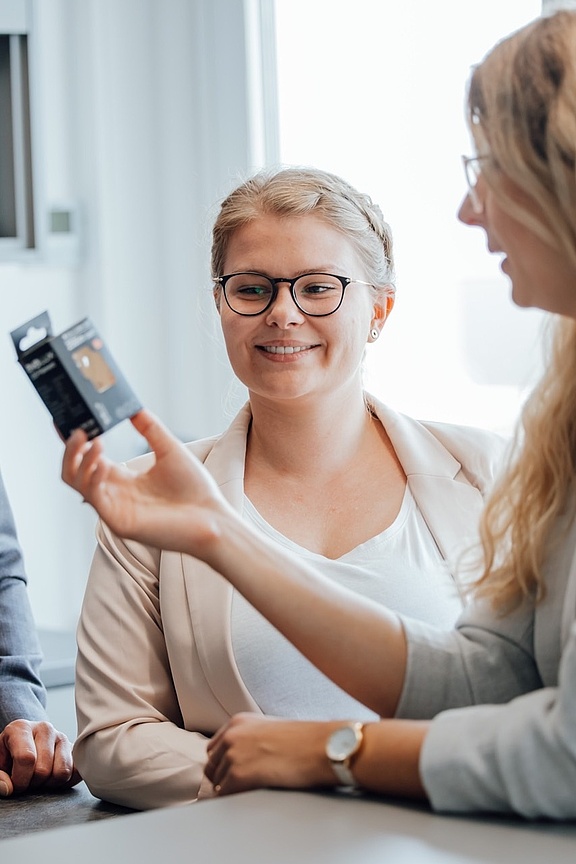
(140,114)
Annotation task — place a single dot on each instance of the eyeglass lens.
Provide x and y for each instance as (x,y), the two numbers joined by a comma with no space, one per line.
(315,293)
(473,171)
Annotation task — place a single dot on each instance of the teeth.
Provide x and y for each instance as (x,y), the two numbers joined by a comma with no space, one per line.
(281,349)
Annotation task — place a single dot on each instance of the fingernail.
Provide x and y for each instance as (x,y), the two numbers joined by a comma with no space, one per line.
(3,789)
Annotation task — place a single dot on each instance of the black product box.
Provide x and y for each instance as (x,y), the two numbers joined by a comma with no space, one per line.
(75,375)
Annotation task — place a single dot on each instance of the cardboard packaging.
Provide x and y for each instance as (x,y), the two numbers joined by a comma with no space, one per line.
(75,375)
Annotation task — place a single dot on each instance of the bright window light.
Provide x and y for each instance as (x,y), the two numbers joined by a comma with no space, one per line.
(374,91)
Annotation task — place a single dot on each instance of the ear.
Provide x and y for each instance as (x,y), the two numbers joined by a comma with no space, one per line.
(382,308)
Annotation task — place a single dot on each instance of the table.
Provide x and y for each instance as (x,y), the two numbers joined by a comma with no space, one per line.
(284,827)
(42,811)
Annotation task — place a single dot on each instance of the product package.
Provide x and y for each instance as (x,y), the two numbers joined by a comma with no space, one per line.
(75,375)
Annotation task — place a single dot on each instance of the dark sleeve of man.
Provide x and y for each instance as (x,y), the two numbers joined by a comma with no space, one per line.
(22,695)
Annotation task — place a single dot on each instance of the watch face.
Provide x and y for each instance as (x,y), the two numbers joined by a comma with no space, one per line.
(342,743)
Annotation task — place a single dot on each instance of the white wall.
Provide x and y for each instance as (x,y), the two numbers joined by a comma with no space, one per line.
(140,110)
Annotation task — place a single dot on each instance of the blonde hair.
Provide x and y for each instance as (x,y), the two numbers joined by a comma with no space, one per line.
(300,192)
(522,114)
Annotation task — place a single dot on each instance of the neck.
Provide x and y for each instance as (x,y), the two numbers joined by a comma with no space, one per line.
(316,435)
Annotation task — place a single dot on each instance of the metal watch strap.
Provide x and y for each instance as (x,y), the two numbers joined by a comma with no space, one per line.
(344,774)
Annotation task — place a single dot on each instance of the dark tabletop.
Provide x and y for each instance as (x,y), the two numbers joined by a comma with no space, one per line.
(41,811)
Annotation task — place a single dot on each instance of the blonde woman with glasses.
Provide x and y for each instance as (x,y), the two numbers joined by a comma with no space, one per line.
(323,474)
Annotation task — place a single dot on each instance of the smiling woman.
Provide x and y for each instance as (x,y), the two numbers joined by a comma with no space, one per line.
(303,275)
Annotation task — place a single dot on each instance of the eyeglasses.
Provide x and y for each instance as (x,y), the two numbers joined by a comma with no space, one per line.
(473,170)
(315,294)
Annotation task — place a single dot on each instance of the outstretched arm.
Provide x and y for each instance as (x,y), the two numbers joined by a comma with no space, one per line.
(177,505)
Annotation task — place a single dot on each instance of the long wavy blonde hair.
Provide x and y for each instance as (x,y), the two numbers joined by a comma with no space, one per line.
(522,113)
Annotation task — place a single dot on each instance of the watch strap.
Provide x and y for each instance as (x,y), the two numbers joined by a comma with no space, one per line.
(344,774)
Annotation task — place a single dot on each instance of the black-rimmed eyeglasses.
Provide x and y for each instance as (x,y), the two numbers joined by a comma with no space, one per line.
(315,294)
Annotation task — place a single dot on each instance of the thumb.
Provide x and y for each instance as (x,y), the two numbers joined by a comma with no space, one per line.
(6,786)
(156,434)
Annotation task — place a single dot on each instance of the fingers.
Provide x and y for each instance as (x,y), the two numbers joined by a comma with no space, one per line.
(6,786)
(41,757)
(227,755)
(63,773)
(75,450)
(84,465)
(19,742)
(157,435)
(217,765)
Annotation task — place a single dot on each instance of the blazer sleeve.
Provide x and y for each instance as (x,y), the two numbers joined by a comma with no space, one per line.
(516,757)
(22,695)
(131,748)
(499,739)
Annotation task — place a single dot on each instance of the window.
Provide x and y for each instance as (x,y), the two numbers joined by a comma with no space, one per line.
(374,91)
(16,196)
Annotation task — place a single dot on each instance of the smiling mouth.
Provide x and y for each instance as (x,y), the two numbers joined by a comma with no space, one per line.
(284,349)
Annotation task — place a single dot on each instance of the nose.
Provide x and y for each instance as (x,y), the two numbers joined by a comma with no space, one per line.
(467,214)
(284,313)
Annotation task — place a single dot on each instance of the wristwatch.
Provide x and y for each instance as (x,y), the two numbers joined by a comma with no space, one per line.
(341,746)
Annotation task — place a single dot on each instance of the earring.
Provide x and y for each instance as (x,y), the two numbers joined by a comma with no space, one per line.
(374,333)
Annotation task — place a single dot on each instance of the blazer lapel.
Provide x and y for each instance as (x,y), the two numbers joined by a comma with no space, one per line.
(209,594)
(449,504)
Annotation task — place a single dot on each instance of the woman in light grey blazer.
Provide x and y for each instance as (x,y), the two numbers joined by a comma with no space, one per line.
(24,724)
(377,502)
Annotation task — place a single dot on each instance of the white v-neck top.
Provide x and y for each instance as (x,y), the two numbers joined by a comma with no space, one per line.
(401,568)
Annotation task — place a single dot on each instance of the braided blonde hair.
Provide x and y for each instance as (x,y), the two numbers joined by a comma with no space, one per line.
(302,191)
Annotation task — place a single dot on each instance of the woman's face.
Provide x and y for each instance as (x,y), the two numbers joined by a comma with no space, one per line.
(541,276)
(331,348)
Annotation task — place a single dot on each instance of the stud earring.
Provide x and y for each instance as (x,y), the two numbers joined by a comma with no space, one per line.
(374,333)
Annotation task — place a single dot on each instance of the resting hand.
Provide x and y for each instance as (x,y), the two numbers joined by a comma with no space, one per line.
(252,751)
(174,505)
(34,756)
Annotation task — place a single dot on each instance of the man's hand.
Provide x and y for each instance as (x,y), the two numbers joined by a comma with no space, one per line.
(35,756)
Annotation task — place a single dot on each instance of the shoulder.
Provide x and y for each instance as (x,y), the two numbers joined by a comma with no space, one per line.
(481,452)
(466,438)
(458,439)
(200,448)
(434,447)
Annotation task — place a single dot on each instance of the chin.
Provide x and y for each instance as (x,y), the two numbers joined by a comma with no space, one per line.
(520,299)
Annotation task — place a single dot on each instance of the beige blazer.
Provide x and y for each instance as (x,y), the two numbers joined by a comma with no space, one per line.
(156,672)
